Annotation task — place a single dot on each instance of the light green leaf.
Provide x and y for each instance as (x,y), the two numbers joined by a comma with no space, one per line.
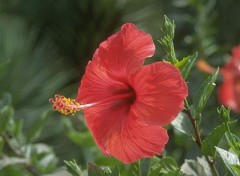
(37,127)
(6,114)
(41,156)
(196,168)
(176,172)
(6,161)
(188,65)
(73,168)
(213,139)
(234,142)
(181,64)
(224,114)
(155,167)
(230,160)
(236,168)
(134,169)
(95,170)
(84,139)
(168,28)
(162,166)
(202,95)
(168,164)
(183,124)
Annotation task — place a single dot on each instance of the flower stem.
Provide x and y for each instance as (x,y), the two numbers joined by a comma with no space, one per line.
(198,141)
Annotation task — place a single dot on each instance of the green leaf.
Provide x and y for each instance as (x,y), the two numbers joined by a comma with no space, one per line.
(95,170)
(6,161)
(224,114)
(181,64)
(176,172)
(163,166)
(155,167)
(234,142)
(73,168)
(115,171)
(41,156)
(3,66)
(1,145)
(188,66)
(168,28)
(230,160)
(202,95)
(196,168)
(213,139)
(134,169)
(84,139)
(37,127)
(6,114)
(236,168)
(168,164)
(183,124)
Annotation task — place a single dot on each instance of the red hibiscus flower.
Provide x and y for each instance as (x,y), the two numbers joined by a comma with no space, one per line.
(125,103)
(229,90)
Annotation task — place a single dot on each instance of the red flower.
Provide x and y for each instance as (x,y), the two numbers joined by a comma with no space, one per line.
(229,91)
(128,103)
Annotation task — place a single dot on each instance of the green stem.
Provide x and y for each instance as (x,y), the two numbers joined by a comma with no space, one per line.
(199,141)
(172,54)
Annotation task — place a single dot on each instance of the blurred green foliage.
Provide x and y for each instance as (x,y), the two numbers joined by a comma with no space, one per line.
(44,48)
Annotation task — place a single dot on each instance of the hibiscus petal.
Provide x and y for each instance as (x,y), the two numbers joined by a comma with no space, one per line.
(160,93)
(96,85)
(125,51)
(137,140)
(227,93)
(122,135)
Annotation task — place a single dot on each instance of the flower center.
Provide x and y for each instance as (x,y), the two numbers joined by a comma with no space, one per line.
(68,106)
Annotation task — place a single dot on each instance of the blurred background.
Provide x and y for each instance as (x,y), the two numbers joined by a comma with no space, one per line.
(45,46)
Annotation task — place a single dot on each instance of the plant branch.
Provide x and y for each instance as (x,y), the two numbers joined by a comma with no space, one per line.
(198,140)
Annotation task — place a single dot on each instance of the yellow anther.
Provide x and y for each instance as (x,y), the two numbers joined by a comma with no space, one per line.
(65,105)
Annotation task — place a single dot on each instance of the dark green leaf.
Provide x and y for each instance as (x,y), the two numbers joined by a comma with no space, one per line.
(230,160)
(202,95)
(95,170)
(115,171)
(213,139)
(6,114)
(190,62)
(183,124)
(3,66)
(73,168)
(37,126)
(5,100)
(1,145)
(134,169)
